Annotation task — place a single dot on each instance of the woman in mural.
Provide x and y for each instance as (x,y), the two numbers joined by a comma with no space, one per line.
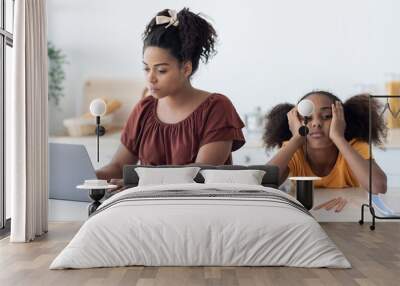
(178,123)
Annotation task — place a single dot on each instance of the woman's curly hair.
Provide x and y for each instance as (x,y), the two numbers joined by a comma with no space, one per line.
(355,112)
(193,39)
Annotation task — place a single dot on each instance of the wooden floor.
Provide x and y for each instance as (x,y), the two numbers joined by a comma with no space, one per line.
(374,255)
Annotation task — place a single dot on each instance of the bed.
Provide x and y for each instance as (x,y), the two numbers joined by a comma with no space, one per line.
(201,224)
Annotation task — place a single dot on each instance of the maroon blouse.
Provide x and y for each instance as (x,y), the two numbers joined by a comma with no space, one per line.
(157,143)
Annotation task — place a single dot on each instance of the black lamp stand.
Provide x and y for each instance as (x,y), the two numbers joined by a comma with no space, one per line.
(96,195)
(303,130)
(100,131)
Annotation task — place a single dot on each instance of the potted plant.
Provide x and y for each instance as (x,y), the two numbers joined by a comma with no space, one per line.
(56,72)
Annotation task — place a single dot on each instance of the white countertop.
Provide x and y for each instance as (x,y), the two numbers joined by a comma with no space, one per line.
(60,210)
(352,211)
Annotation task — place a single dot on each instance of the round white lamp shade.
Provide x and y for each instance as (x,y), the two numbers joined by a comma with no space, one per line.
(98,107)
(305,107)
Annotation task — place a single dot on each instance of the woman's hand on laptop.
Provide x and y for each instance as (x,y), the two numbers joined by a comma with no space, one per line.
(119,183)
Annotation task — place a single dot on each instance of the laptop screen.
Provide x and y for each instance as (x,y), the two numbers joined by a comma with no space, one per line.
(69,166)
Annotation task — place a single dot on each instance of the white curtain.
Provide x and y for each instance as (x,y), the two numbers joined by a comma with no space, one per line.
(27,123)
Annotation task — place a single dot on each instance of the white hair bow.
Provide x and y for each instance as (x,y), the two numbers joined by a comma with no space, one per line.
(173,20)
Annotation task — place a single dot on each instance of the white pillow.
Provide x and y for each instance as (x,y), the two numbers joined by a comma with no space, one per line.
(248,177)
(164,176)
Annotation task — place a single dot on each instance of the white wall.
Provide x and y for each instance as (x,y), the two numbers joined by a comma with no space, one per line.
(268,52)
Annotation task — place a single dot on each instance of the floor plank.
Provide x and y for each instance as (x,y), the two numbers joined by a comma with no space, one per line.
(374,255)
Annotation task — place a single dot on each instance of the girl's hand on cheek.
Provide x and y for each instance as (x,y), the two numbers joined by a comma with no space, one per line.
(338,123)
(293,121)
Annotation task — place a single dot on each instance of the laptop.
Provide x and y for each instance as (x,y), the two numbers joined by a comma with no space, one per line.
(69,166)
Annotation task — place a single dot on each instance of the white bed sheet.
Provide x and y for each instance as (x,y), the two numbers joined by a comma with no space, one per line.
(200,231)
